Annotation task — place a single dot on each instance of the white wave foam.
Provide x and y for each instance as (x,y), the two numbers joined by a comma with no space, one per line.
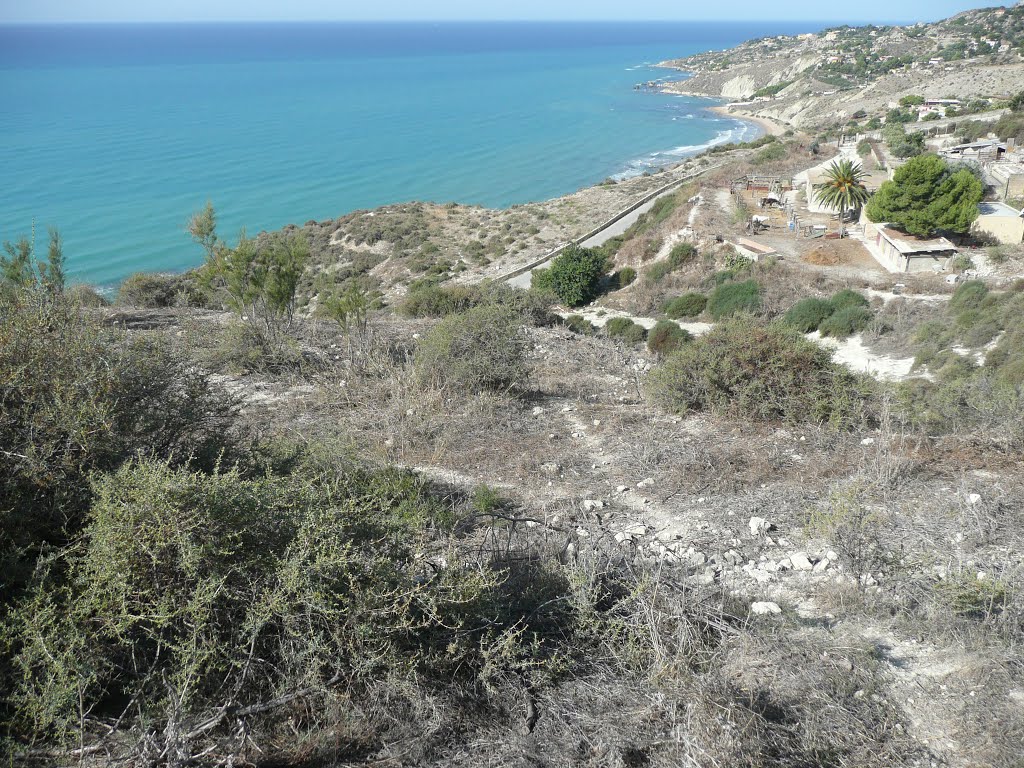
(740,131)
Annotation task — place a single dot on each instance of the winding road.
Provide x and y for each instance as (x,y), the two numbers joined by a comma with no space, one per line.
(616,226)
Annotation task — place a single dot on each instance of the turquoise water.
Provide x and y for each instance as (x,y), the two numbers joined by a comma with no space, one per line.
(115,134)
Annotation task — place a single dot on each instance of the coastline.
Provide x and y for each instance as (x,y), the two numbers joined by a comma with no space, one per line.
(769,126)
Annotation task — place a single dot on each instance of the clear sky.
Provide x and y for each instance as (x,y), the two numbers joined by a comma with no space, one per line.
(396,10)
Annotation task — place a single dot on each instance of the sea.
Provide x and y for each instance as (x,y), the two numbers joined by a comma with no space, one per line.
(115,134)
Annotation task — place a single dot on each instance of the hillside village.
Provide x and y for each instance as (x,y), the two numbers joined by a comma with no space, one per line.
(974,57)
(697,468)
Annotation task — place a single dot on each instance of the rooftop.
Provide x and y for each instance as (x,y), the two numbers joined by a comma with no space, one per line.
(908,244)
(998,209)
(977,145)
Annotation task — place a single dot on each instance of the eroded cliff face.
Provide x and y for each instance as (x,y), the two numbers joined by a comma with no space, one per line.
(810,104)
(741,81)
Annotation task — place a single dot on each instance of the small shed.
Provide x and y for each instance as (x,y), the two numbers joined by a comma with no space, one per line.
(977,151)
(900,252)
(1000,222)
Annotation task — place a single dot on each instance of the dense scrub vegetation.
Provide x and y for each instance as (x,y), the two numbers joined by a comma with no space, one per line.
(763,372)
(967,394)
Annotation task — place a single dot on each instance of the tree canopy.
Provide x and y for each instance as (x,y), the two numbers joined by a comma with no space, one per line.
(574,276)
(927,195)
(843,188)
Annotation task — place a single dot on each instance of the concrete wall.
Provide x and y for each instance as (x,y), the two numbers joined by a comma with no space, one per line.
(1008,230)
(925,263)
(1014,186)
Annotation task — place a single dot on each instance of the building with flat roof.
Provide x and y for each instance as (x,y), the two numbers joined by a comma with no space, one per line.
(1000,222)
(900,252)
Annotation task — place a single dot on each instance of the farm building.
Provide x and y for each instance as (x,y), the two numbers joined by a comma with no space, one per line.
(1000,222)
(978,151)
(900,252)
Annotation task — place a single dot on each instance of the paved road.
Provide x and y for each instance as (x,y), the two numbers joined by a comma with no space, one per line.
(606,234)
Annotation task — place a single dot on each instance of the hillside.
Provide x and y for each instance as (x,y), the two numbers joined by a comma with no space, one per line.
(348,496)
(818,79)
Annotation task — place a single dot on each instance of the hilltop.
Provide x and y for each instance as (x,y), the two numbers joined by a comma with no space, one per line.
(818,79)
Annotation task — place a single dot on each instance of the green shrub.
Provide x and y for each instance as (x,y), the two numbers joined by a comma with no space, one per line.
(579,324)
(807,314)
(657,272)
(681,254)
(847,298)
(969,295)
(624,329)
(845,322)
(962,262)
(688,305)
(625,277)
(574,276)
(194,592)
(765,372)
(432,300)
(149,291)
(982,399)
(731,298)
(771,153)
(246,348)
(667,337)
(86,296)
(77,397)
(480,349)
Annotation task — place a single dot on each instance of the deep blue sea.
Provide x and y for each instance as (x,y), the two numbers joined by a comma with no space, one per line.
(116,133)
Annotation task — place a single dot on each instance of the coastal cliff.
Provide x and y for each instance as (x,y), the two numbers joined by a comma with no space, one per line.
(817,79)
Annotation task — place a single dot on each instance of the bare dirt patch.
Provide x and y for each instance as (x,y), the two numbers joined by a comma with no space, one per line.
(836,253)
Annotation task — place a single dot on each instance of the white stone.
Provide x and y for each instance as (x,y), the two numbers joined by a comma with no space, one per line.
(765,609)
(973,499)
(592,504)
(759,526)
(761,577)
(785,564)
(621,489)
(707,576)
(868,441)
(800,562)
(822,565)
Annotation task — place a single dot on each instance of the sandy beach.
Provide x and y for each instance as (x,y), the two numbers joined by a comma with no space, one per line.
(769,126)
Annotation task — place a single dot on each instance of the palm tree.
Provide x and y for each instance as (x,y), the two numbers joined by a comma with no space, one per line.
(843,188)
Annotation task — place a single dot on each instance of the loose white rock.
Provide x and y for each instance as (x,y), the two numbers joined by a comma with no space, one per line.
(765,609)
(800,562)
